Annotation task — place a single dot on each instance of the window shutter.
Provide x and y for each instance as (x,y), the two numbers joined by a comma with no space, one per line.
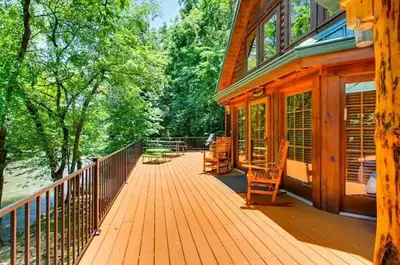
(360,127)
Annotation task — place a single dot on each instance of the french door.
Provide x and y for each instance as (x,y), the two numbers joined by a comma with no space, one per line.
(298,131)
(240,145)
(258,140)
(358,183)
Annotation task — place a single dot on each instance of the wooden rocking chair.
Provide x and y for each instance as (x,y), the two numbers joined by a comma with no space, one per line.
(221,156)
(267,177)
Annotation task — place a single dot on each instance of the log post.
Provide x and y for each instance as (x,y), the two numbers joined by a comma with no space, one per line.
(384,15)
(387,133)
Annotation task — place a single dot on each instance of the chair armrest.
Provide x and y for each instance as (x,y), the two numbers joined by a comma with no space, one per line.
(256,167)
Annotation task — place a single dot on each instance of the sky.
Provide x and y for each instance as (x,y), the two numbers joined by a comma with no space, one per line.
(169,9)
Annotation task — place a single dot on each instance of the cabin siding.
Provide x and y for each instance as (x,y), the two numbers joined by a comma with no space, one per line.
(322,62)
(327,84)
(240,69)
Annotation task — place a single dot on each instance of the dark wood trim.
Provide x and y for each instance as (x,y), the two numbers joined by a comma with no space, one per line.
(359,205)
(316,142)
(278,29)
(365,67)
(320,15)
(358,58)
(286,20)
(235,135)
(298,188)
(263,13)
(314,16)
(330,144)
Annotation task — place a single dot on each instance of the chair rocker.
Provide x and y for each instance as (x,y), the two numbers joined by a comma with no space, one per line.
(265,179)
(220,156)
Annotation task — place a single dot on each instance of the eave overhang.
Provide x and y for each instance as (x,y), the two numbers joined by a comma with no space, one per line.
(297,53)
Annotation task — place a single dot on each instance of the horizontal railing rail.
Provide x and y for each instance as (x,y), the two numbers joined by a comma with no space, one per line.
(189,143)
(56,224)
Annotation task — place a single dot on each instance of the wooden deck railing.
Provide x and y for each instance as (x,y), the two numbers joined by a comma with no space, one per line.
(56,224)
(190,143)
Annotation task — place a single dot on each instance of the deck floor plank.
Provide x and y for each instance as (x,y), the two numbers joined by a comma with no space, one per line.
(135,238)
(216,245)
(147,247)
(176,255)
(262,251)
(161,240)
(171,213)
(97,243)
(118,250)
(323,256)
(189,247)
(203,247)
(233,250)
(111,236)
(260,242)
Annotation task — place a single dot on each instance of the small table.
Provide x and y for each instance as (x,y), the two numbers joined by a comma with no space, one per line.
(168,143)
(157,153)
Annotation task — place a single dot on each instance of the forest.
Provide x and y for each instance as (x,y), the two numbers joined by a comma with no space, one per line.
(81,79)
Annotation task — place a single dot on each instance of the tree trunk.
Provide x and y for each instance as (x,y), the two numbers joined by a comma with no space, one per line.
(12,83)
(76,154)
(50,154)
(387,134)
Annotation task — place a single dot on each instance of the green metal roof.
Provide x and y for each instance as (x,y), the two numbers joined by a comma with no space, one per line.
(333,39)
(301,51)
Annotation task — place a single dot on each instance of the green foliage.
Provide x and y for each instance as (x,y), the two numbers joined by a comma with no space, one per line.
(96,77)
(270,39)
(300,19)
(90,77)
(196,44)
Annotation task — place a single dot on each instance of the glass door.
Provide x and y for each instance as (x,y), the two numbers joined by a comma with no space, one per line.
(359,183)
(298,128)
(241,136)
(259,131)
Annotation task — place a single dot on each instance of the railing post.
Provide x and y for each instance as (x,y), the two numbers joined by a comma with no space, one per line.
(96,195)
(126,161)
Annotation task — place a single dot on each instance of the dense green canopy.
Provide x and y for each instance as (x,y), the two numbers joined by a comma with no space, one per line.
(80,79)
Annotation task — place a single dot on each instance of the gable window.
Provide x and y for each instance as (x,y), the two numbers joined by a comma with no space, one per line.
(252,51)
(300,18)
(270,38)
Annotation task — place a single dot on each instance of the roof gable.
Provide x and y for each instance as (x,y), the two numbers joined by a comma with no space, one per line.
(237,34)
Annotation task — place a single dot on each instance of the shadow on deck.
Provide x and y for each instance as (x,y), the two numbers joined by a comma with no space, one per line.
(171,213)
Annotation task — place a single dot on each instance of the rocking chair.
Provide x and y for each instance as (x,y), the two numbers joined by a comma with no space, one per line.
(220,157)
(268,176)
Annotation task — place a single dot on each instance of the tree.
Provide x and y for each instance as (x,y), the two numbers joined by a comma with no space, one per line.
(70,90)
(196,45)
(12,52)
(86,49)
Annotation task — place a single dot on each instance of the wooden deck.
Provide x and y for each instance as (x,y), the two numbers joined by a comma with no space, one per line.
(171,213)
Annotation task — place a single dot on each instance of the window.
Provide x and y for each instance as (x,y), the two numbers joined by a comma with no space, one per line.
(241,135)
(300,18)
(252,51)
(299,135)
(259,141)
(360,146)
(270,38)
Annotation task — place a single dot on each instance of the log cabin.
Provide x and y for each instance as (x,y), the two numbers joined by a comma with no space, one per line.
(292,70)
